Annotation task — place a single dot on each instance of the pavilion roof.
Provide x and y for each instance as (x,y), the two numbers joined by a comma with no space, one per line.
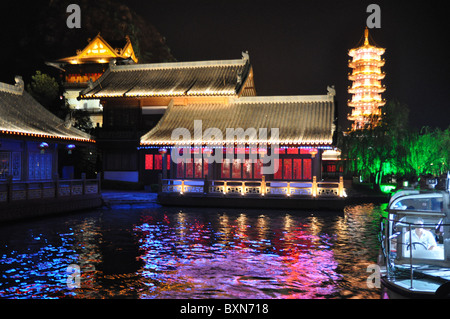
(100,51)
(301,120)
(21,114)
(201,78)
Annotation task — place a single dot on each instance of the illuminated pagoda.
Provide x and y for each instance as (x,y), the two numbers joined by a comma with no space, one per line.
(87,66)
(366,89)
(32,138)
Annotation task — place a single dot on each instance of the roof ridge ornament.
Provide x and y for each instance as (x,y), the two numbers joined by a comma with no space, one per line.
(245,55)
(16,89)
(112,63)
(331,90)
(90,84)
(19,83)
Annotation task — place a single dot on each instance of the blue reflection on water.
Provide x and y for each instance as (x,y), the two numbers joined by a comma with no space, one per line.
(37,272)
(156,252)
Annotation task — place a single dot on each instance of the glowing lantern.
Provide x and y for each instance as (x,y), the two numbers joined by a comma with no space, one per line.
(313,152)
(262,152)
(69,148)
(43,146)
(162,151)
(207,151)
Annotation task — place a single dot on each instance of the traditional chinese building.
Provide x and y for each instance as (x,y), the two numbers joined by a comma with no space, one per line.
(146,106)
(305,128)
(31,136)
(135,97)
(88,65)
(35,151)
(366,89)
(273,153)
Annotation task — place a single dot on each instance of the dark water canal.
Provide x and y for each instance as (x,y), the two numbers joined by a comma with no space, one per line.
(150,251)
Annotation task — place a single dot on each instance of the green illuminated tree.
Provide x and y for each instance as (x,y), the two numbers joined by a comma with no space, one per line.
(429,151)
(393,148)
(376,152)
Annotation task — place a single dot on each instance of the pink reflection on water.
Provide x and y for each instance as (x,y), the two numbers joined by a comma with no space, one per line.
(236,256)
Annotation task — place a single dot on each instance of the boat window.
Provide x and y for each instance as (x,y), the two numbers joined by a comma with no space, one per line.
(420,204)
(421,235)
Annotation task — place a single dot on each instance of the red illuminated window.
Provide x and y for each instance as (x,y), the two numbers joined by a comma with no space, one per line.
(205,167)
(278,150)
(247,169)
(158,161)
(236,169)
(287,169)
(225,169)
(305,151)
(189,168)
(292,151)
(180,170)
(257,169)
(279,173)
(307,169)
(297,169)
(148,161)
(198,168)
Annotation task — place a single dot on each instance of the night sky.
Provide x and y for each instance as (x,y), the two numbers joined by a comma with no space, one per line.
(300,47)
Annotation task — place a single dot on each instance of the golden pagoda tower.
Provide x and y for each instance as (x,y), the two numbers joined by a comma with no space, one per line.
(366,89)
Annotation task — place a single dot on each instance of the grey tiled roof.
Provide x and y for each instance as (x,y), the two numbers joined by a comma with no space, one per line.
(204,78)
(21,114)
(301,120)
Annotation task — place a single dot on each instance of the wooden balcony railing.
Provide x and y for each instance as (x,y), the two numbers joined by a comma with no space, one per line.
(11,191)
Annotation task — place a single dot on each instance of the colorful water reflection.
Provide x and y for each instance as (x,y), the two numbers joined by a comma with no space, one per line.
(157,252)
(238,256)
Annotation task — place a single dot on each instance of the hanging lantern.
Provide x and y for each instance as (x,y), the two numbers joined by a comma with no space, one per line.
(313,152)
(207,151)
(262,152)
(162,151)
(43,146)
(69,148)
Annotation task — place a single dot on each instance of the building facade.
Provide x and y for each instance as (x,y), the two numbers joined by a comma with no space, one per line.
(87,66)
(146,105)
(32,138)
(278,138)
(38,160)
(135,97)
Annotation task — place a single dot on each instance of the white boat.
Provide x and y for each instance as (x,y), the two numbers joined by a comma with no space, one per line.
(415,244)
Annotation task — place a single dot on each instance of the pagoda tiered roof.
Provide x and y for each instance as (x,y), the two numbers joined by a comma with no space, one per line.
(367,89)
(362,76)
(366,49)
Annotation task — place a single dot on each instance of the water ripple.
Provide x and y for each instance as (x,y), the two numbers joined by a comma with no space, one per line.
(157,252)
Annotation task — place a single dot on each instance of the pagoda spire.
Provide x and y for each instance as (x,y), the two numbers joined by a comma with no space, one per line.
(366,36)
